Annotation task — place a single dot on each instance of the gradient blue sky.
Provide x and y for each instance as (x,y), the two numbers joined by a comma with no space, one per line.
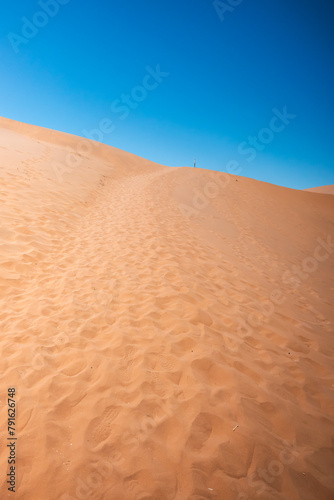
(225,78)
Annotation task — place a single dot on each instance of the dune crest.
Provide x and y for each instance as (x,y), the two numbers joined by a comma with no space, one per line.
(168,331)
(322,189)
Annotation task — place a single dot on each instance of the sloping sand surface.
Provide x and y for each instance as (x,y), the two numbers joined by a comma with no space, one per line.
(322,189)
(168,331)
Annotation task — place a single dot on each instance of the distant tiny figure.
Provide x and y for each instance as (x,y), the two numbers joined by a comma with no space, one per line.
(194,162)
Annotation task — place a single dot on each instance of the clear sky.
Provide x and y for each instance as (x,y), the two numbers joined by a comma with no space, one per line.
(243,81)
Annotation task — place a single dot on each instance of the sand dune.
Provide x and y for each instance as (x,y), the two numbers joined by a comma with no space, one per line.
(168,331)
(322,189)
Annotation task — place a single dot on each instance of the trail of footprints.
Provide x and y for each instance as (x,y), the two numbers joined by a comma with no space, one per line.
(125,280)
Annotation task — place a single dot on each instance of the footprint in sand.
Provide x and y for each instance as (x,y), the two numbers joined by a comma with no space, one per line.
(201,430)
(100,427)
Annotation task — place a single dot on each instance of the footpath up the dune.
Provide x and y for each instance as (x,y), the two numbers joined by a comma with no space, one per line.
(168,331)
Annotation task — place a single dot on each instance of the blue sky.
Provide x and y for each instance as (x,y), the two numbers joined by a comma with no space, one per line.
(226,72)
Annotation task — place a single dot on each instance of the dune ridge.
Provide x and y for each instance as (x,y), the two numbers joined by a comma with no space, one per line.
(322,189)
(168,331)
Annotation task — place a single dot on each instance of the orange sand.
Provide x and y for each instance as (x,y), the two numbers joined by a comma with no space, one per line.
(322,189)
(168,331)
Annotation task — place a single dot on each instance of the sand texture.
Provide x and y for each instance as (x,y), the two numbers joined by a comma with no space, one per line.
(168,331)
